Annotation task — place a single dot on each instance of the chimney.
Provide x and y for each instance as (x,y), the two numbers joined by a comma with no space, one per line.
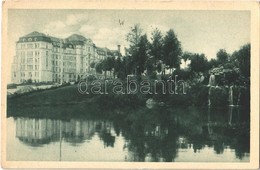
(118,48)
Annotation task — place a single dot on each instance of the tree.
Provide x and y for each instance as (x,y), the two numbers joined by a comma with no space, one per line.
(241,58)
(133,37)
(222,56)
(212,63)
(99,68)
(198,63)
(92,65)
(156,47)
(142,55)
(186,56)
(149,65)
(105,66)
(172,50)
(118,66)
(108,64)
(127,65)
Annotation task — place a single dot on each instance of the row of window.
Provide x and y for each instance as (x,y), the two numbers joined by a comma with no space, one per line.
(68,75)
(57,69)
(66,57)
(29,74)
(29,53)
(28,46)
(29,67)
(50,46)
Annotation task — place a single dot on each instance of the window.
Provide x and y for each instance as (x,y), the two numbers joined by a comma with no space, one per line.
(47,61)
(29,60)
(22,54)
(23,59)
(30,45)
(22,67)
(30,67)
(29,53)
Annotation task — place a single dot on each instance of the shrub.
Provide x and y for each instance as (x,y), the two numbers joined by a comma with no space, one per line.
(11,86)
(218,96)
(199,94)
(153,75)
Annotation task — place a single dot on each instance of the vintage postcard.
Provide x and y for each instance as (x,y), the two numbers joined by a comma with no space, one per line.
(130,84)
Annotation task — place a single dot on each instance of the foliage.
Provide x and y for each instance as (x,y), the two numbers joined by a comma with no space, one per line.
(133,38)
(212,64)
(119,68)
(218,96)
(182,74)
(185,56)
(153,75)
(241,59)
(108,64)
(199,95)
(11,86)
(156,47)
(92,65)
(91,78)
(222,56)
(149,65)
(99,68)
(172,50)
(198,63)
(226,74)
(142,54)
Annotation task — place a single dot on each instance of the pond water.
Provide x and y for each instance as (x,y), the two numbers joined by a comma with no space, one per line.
(158,134)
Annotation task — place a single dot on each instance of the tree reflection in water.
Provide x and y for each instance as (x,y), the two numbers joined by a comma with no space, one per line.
(156,134)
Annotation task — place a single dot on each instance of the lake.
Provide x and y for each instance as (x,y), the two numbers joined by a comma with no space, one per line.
(159,134)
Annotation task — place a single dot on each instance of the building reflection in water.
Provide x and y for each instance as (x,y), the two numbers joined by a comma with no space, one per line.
(36,132)
(147,136)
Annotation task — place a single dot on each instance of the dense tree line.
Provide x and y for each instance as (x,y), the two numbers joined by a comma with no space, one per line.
(165,52)
(144,56)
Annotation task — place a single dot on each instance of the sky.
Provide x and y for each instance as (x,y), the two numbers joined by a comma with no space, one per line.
(198,31)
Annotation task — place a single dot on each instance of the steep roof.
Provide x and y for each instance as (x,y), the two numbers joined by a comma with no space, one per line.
(35,34)
(76,37)
(55,39)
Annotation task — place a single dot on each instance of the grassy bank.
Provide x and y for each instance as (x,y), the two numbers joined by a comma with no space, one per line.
(67,100)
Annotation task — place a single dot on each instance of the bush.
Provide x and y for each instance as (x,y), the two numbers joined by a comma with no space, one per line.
(11,86)
(91,78)
(218,96)
(182,74)
(153,75)
(199,95)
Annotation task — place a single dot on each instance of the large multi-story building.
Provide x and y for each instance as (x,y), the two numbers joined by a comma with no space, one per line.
(43,58)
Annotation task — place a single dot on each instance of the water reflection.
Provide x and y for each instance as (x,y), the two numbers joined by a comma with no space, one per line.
(159,134)
(36,132)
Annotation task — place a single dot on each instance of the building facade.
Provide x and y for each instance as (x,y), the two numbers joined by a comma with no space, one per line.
(43,58)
